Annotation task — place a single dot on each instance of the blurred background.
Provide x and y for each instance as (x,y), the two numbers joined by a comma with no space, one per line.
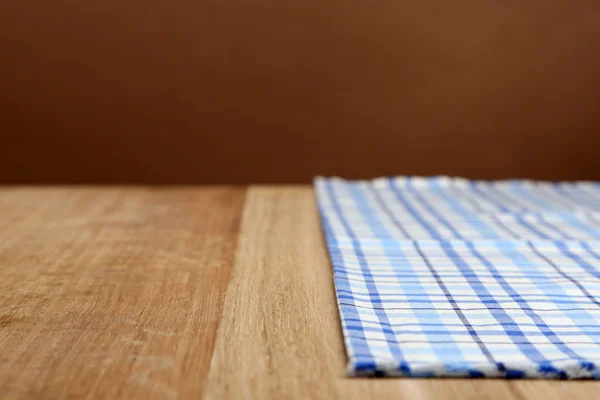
(270,91)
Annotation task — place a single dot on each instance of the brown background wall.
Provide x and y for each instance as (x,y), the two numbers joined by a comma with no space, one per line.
(205,91)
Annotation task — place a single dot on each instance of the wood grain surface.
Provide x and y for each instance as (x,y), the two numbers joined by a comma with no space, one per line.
(180,293)
(112,293)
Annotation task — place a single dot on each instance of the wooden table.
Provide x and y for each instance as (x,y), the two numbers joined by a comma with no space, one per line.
(170,293)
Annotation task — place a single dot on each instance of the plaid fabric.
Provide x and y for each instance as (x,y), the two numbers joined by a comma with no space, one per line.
(449,277)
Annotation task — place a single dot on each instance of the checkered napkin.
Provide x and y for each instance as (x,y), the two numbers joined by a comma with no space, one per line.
(450,277)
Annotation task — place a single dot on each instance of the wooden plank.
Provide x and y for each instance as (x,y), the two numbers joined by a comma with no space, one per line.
(556,390)
(280,336)
(112,293)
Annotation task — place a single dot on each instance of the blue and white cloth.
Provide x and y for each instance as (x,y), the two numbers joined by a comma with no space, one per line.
(450,277)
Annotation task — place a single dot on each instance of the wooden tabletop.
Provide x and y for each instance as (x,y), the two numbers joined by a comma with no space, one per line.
(177,293)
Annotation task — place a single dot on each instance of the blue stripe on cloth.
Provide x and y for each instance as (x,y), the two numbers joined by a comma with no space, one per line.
(392,250)
(449,277)
(585,198)
(498,312)
(353,343)
(542,204)
(440,351)
(502,205)
(430,210)
(536,318)
(394,348)
(429,228)
(472,218)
